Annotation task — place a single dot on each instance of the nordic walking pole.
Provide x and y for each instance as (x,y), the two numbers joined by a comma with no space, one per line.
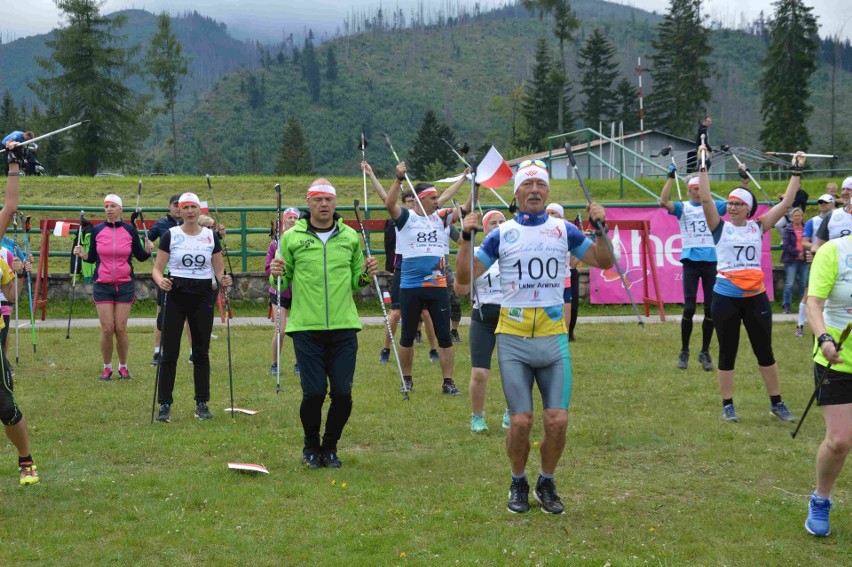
(461,155)
(381,302)
(788,154)
(17,324)
(74,275)
(410,185)
(748,173)
(278,295)
(840,342)
(48,135)
(139,209)
(668,152)
(601,228)
(227,300)
(363,147)
(162,350)
(25,222)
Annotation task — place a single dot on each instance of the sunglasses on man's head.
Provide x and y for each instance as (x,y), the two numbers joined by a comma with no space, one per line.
(529,162)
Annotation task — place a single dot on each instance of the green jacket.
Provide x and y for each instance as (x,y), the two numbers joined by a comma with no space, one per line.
(323,277)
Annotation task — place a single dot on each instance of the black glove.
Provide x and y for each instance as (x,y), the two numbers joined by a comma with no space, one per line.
(16,154)
(743,173)
(133,217)
(672,171)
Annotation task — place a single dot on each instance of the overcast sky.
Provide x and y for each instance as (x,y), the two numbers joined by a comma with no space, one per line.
(269,19)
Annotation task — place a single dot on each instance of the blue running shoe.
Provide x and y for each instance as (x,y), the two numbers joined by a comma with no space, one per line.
(817,522)
(384,356)
(729,414)
(477,424)
(506,421)
(780,411)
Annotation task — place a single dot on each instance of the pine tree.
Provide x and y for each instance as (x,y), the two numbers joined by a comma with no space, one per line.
(627,105)
(597,73)
(540,104)
(680,69)
(429,151)
(295,155)
(167,66)
(790,61)
(9,115)
(565,23)
(311,70)
(88,70)
(331,73)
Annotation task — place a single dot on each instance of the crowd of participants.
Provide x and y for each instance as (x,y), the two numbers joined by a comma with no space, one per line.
(524,303)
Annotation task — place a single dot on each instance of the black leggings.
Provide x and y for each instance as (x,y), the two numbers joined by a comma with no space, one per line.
(575,299)
(436,301)
(10,413)
(692,273)
(192,303)
(756,315)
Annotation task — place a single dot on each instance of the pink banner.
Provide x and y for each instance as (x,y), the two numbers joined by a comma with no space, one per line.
(666,247)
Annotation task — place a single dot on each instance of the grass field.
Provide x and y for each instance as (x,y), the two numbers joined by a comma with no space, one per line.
(651,474)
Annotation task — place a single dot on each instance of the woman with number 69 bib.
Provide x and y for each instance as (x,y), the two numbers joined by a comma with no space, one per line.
(739,295)
(193,255)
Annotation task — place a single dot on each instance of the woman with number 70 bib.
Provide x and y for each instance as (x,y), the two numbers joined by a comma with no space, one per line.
(193,255)
(739,295)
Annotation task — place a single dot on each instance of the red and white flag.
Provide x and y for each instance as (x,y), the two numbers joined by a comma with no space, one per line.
(248,467)
(204,209)
(493,171)
(61,228)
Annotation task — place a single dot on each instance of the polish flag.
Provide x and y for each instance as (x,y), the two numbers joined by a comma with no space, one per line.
(493,171)
(204,209)
(61,228)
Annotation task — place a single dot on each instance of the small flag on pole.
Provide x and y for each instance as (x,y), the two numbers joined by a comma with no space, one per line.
(61,228)
(248,467)
(204,209)
(493,171)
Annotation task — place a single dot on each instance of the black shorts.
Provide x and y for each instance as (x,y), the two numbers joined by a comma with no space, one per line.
(286,302)
(566,295)
(394,289)
(112,293)
(436,301)
(482,337)
(836,389)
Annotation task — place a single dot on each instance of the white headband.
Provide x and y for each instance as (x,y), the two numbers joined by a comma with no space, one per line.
(693,182)
(113,199)
(426,192)
(531,172)
(556,207)
(847,183)
(744,196)
(188,198)
(490,214)
(321,190)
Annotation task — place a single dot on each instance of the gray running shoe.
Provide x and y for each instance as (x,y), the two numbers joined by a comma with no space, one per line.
(683,359)
(705,360)
(780,411)
(545,494)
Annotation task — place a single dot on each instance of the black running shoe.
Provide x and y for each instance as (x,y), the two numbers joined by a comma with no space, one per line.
(155,359)
(705,360)
(409,385)
(418,338)
(683,359)
(329,459)
(455,334)
(519,496)
(434,356)
(384,356)
(311,460)
(165,413)
(545,494)
(449,387)
(202,411)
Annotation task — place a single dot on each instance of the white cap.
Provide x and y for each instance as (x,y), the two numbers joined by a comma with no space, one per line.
(557,208)
(825,198)
(321,190)
(114,199)
(847,183)
(531,172)
(188,198)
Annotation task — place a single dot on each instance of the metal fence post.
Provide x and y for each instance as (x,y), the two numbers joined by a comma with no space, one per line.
(244,239)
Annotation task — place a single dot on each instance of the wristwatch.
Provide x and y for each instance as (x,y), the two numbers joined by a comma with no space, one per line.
(823,338)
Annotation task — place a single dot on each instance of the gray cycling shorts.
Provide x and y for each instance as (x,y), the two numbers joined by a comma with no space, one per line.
(545,361)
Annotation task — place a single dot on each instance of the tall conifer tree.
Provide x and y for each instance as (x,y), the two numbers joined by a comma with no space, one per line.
(295,155)
(598,72)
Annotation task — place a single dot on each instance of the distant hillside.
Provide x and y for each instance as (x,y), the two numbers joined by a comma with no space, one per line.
(214,53)
(388,80)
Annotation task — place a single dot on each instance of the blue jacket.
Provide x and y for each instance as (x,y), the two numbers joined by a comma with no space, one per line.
(161,227)
(16,136)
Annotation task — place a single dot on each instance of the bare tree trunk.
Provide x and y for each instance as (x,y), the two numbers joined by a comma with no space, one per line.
(174,139)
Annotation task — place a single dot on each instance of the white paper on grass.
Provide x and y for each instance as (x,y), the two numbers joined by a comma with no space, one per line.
(242,410)
(248,467)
